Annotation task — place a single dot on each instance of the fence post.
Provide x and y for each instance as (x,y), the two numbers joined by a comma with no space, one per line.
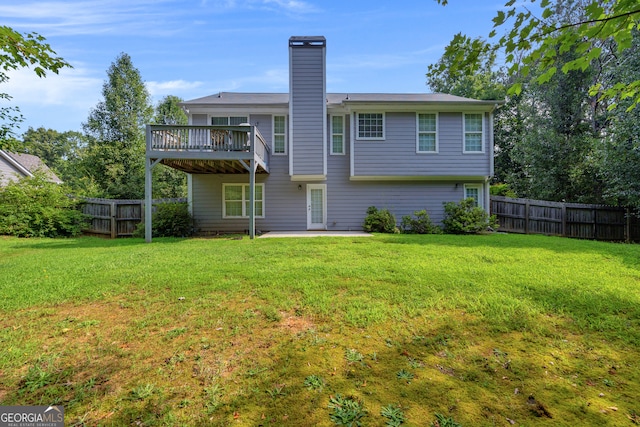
(526,217)
(627,226)
(564,220)
(114,228)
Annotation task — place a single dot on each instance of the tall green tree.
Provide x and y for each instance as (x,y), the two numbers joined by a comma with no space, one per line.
(64,152)
(19,50)
(168,182)
(116,135)
(533,41)
(619,154)
(169,112)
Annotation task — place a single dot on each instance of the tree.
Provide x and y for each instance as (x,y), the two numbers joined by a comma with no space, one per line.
(169,182)
(169,112)
(19,51)
(115,127)
(64,153)
(485,82)
(535,42)
(619,154)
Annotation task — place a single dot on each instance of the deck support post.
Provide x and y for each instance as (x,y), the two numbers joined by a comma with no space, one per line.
(252,199)
(148,196)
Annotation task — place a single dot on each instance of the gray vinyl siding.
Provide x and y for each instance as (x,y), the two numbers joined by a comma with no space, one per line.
(347,201)
(396,155)
(199,120)
(308,113)
(8,172)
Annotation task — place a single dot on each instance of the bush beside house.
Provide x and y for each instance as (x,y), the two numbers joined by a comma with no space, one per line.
(464,217)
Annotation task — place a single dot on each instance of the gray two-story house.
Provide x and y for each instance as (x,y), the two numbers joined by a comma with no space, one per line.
(318,160)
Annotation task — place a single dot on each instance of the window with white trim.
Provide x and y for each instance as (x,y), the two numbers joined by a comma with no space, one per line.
(235,200)
(370,126)
(473,132)
(337,134)
(427,133)
(473,191)
(279,135)
(228,120)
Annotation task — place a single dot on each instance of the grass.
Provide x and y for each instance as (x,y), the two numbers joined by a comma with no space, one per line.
(464,330)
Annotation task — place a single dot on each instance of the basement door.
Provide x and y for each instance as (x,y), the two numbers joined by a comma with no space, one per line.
(316,206)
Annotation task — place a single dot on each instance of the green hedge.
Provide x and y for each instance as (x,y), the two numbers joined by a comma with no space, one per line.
(35,207)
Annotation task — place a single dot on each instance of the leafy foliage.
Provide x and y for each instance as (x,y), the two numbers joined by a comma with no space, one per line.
(169,112)
(169,220)
(347,411)
(419,223)
(115,127)
(535,42)
(502,190)
(380,221)
(394,415)
(442,421)
(19,51)
(35,207)
(466,217)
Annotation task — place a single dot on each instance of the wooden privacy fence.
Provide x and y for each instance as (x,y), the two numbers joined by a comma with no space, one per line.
(599,222)
(116,218)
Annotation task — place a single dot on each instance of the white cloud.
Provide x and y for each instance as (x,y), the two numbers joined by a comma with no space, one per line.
(171,87)
(72,87)
(270,80)
(88,17)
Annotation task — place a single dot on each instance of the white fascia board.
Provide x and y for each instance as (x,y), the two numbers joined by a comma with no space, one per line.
(415,106)
(438,178)
(16,164)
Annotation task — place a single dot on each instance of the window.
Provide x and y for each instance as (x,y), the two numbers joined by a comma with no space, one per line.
(370,126)
(279,135)
(229,121)
(473,191)
(473,133)
(235,200)
(427,133)
(337,134)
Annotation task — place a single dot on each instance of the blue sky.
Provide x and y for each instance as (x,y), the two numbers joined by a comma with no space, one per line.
(196,48)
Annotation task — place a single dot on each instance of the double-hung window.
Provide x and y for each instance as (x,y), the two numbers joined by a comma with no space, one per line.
(279,135)
(235,200)
(473,133)
(427,133)
(370,126)
(337,134)
(228,120)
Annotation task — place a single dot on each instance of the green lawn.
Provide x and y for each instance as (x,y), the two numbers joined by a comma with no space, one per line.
(484,330)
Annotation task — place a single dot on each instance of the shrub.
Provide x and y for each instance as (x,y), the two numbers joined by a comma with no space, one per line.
(381,221)
(169,220)
(466,217)
(502,190)
(421,224)
(35,207)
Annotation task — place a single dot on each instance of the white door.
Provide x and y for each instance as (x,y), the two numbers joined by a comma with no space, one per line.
(316,207)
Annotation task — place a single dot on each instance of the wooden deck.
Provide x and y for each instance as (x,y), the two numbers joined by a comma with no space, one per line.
(208,149)
(205,149)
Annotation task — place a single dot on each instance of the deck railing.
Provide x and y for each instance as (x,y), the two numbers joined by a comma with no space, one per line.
(206,139)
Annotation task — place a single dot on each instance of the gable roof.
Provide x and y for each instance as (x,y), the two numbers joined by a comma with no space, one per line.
(282,99)
(28,164)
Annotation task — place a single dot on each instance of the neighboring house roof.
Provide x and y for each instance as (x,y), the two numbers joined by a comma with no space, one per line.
(26,165)
(282,99)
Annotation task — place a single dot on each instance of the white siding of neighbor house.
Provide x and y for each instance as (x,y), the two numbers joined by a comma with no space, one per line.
(307,110)
(396,155)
